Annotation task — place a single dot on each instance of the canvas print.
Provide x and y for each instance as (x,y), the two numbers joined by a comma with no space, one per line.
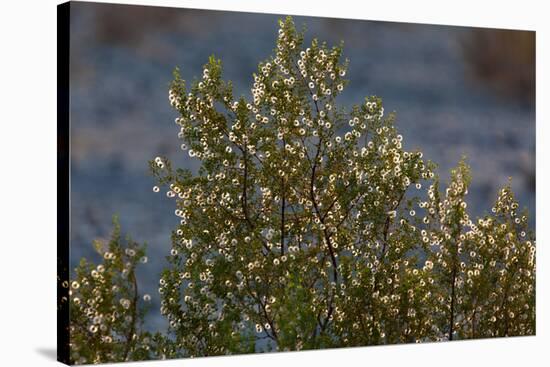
(236,183)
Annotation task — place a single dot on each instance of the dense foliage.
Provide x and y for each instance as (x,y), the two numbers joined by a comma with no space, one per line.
(107,310)
(307,226)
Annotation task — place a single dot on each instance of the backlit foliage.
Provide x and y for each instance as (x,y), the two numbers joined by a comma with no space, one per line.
(310,226)
(107,310)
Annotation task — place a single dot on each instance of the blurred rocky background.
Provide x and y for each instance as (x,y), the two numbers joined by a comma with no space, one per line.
(457,91)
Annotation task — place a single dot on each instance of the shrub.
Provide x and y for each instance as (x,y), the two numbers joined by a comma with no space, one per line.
(309,226)
(107,310)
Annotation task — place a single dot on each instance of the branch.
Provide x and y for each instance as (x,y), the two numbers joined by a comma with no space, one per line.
(453,280)
(132,330)
(267,318)
(283,195)
(386,229)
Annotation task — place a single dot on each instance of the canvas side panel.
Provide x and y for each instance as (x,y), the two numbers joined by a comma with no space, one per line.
(63,159)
